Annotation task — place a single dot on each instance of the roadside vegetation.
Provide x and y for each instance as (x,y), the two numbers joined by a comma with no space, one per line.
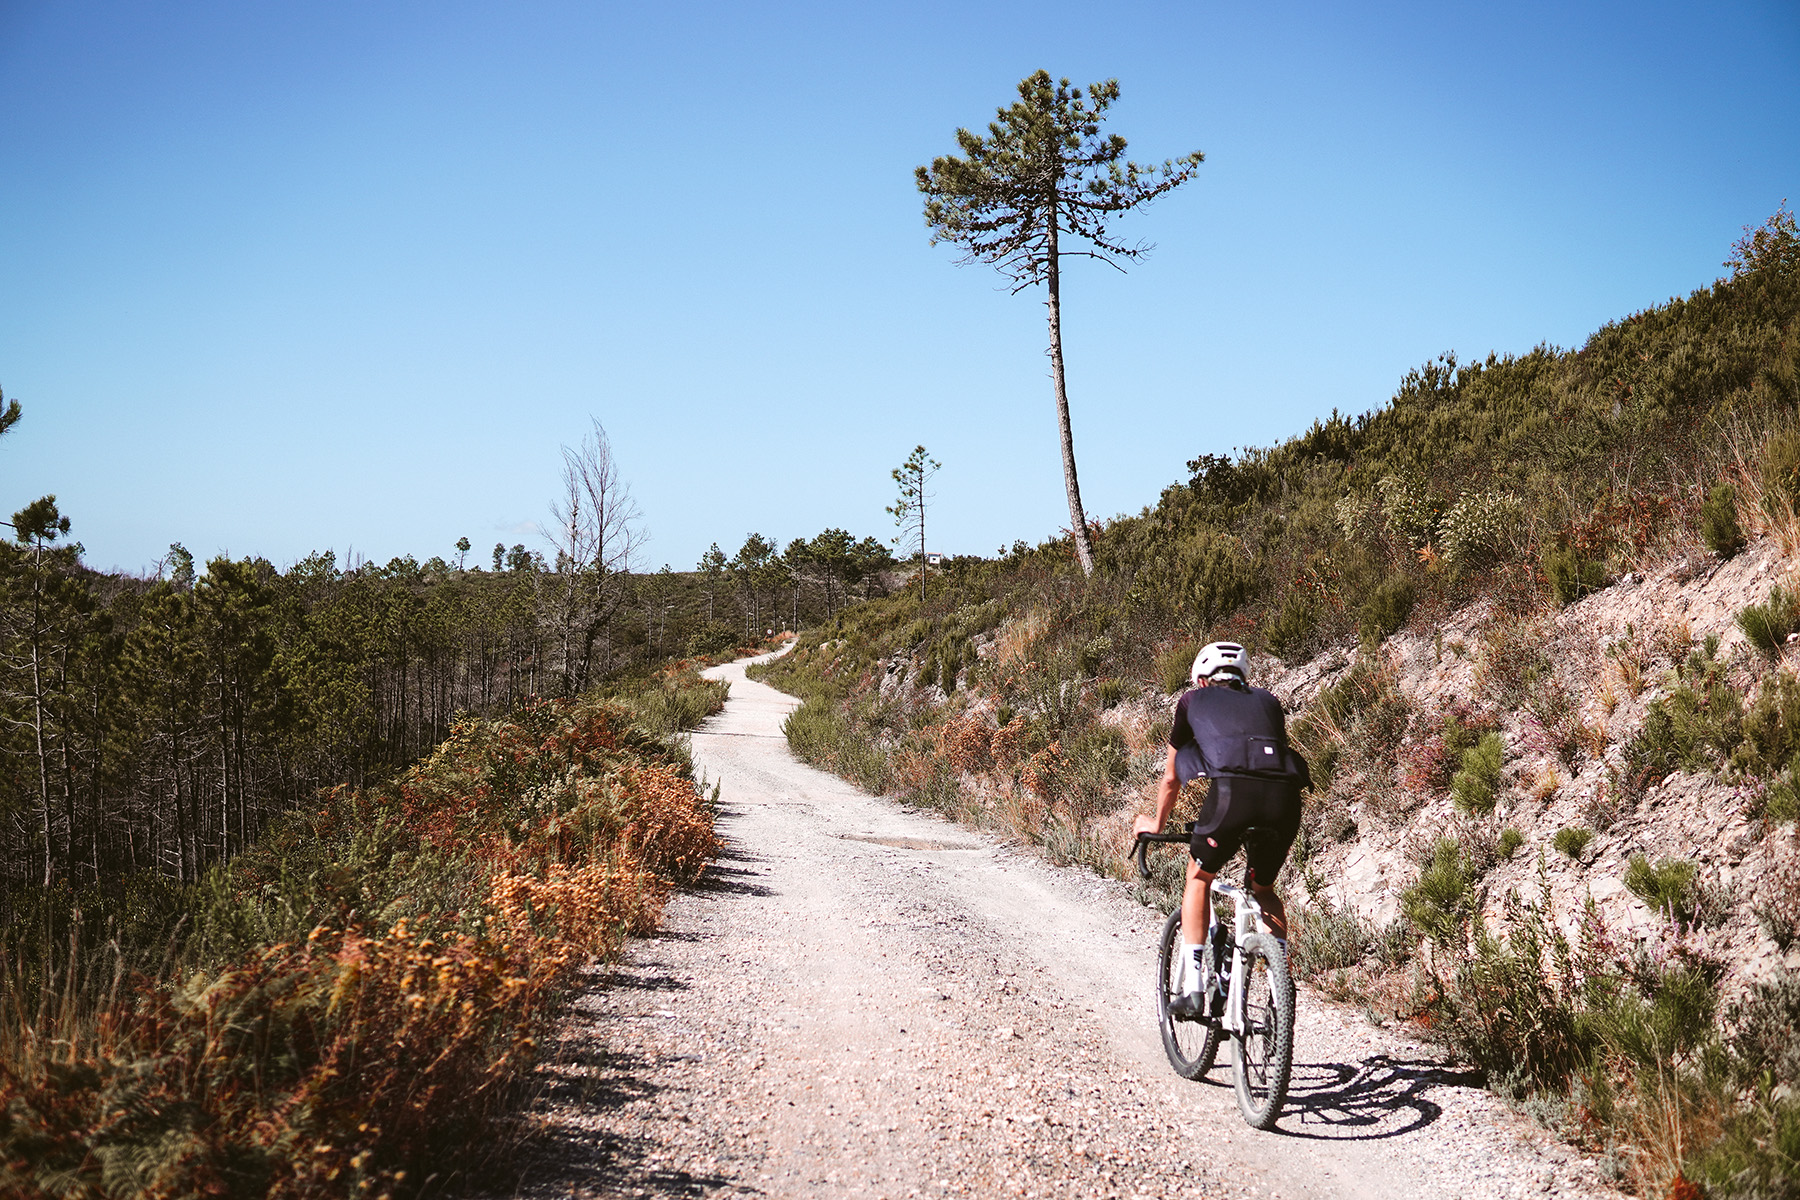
(1452,526)
(350,1005)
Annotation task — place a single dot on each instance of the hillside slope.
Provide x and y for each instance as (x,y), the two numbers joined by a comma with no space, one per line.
(1531,619)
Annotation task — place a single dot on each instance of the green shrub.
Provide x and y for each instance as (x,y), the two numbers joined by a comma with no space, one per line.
(1110,692)
(711,638)
(1768,624)
(1667,886)
(1479,528)
(1763,1025)
(1781,473)
(1174,664)
(1670,1012)
(1328,938)
(1572,841)
(1476,784)
(1770,729)
(1386,610)
(1694,730)
(1781,801)
(1408,509)
(1511,663)
(1289,631)
(1101,752)
(1510,841)
(1513,1006)
(1719,526)
(1755,1154)
(674,704)
(1440,900)
(1094,654)
(819,732)
(1571,576)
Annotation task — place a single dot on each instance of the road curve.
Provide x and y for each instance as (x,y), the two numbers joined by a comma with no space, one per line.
(864,1000)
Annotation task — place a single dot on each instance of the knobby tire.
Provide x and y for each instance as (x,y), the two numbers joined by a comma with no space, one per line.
(1263,1058)
(1191,1046)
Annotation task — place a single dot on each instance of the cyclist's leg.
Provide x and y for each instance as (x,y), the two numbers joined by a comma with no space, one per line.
(1196,904)
(1280,814)
(1273,911)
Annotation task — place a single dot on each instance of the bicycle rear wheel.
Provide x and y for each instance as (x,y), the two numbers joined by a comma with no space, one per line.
(1190,1045)
(1263,1057)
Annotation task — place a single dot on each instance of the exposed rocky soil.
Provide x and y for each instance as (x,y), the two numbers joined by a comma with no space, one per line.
(1615,651)
(862,1000)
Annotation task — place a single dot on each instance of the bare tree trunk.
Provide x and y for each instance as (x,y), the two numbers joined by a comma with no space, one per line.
(922,514)
(37,717)
(1077,515)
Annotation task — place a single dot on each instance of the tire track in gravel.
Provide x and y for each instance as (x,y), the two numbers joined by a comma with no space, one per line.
(862,1000)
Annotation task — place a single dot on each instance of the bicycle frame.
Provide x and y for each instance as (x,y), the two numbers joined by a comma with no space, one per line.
(1246,915)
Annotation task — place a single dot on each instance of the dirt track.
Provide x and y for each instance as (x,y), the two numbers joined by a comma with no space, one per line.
(863,1000)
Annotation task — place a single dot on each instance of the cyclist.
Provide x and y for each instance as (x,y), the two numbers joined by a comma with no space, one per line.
(1236,736)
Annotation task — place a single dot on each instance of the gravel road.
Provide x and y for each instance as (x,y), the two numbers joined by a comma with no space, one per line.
(862,1000)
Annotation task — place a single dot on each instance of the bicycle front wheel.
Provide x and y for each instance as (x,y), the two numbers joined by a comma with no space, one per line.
(1190,1045)
(1263,1056)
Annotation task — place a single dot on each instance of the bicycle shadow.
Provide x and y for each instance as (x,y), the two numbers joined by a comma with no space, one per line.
(1381,1097)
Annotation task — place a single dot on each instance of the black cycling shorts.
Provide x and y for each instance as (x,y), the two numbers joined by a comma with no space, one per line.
(1236,803)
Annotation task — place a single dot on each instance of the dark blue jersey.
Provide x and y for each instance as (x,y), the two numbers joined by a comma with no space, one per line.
(1225,731)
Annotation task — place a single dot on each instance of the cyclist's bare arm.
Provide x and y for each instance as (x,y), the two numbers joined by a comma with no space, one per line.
(1166,791)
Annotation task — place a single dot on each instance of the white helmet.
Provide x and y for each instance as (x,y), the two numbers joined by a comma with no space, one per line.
(1227,657)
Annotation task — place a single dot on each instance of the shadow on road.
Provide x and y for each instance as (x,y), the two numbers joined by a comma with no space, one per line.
(1382,1097)
(565,1159)
(731,881)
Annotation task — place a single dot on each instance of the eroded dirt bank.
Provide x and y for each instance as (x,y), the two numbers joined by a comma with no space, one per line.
(866,1001)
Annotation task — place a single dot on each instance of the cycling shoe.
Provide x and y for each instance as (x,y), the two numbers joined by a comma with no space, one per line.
(1189,1006)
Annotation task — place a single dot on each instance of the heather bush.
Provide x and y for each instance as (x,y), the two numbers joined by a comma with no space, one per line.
(1479,529)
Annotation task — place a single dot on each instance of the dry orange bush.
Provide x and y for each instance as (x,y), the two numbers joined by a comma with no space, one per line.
(966,742)
(359,1059)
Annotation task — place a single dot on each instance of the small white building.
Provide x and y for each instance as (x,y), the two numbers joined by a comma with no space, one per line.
(934,559)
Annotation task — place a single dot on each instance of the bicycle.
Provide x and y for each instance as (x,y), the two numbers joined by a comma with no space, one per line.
(1252,1003)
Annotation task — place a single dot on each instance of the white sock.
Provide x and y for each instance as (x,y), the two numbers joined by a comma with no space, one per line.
(1192,956)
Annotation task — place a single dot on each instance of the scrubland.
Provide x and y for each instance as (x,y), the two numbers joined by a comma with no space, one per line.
(351,1005)
(1535,621)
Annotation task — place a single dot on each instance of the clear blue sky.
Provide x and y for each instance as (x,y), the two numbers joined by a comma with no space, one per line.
(285,277)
